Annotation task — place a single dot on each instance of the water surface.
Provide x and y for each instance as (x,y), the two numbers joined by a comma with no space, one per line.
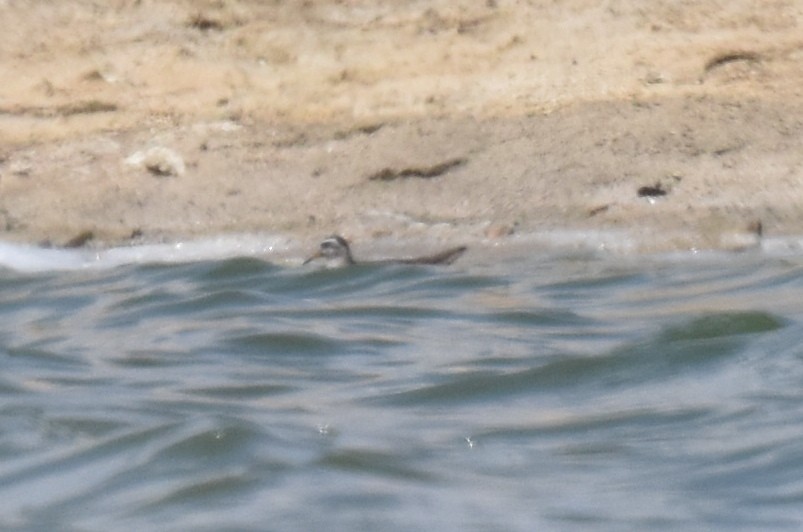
(553,391)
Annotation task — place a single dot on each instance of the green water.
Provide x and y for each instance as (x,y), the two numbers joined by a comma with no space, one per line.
(551,392)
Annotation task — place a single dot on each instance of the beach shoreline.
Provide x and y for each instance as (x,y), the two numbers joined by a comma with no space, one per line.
(166,121)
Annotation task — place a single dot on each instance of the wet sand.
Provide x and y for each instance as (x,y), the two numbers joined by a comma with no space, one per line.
(677,124)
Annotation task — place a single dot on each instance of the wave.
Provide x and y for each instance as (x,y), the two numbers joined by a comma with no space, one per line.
(35,259)
(29,258)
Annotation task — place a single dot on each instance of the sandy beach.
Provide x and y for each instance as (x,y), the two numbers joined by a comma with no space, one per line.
(679,124)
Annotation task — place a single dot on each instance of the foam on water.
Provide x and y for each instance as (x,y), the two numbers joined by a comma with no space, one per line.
(284,250)
(34,259)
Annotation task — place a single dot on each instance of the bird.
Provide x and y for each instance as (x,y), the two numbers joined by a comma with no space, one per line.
(336,253)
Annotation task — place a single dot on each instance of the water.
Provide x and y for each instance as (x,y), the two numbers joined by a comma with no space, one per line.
(552,391)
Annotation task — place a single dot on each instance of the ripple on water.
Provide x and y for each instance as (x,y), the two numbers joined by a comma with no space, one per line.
(553,392)
(691,346)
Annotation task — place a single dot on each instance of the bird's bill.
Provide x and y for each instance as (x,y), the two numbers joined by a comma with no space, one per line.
(316,255)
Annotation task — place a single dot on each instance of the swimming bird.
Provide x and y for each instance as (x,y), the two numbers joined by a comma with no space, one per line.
(336,252)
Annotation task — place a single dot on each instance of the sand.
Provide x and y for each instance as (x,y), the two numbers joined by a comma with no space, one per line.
(677,124)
